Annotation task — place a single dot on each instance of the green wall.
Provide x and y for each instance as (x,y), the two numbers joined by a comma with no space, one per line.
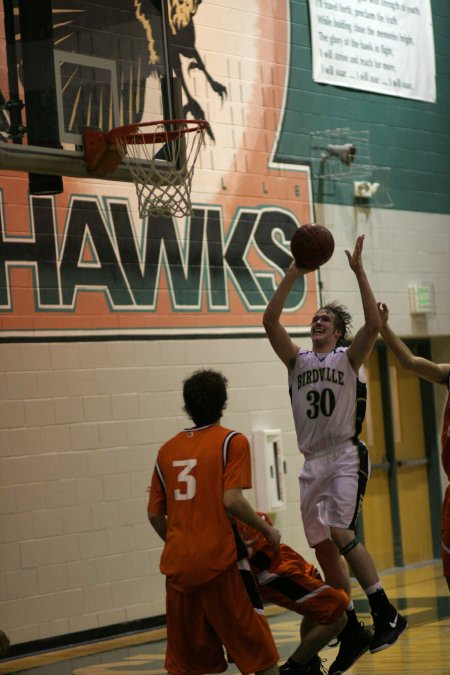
(411,137)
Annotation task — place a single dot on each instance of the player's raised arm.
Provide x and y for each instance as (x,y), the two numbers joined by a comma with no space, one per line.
(366,336)
(433,372)
(278,336)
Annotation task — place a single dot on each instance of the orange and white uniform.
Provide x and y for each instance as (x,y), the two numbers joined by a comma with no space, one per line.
(208,603)
(446,504)
(285,578)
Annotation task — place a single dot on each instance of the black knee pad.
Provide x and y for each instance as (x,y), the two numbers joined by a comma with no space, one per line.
(349,547)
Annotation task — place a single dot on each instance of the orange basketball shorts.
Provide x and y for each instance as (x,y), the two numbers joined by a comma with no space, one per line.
(296,584)
(220,613)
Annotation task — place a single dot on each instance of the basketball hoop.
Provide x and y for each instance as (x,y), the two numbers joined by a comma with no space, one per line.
(161,161)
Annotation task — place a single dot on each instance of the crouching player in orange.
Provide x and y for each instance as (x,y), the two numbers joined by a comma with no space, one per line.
(285,578)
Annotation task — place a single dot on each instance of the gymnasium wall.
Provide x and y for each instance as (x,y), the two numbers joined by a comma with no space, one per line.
(80,432)
(89,391)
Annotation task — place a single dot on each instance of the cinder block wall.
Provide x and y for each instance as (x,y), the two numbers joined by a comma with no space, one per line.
(405,136)
(80,427)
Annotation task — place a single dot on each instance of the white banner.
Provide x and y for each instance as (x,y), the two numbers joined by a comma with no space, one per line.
(384,46)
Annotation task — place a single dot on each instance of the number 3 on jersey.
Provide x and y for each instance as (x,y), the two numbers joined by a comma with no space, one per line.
(187,490)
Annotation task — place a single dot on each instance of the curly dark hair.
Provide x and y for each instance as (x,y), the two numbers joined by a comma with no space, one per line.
(342,319)
(205,396)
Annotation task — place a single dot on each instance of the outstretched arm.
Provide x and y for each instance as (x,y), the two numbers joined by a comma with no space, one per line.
(238,506)
(428,370)
(278,336)
(366,336)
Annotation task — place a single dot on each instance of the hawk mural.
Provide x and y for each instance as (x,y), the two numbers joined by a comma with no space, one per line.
(83,262)
(131,33)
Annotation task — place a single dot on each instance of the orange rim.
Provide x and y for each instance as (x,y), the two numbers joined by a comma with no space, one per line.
(128,132)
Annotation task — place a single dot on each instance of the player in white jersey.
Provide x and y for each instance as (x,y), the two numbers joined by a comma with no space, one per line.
(326,387)
(328,393)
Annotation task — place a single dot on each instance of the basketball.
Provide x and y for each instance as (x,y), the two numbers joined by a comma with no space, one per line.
(312,245)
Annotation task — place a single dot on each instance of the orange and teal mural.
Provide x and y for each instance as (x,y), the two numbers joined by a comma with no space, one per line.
(83,263)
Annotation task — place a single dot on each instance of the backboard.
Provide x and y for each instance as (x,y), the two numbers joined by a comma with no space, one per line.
(77,64)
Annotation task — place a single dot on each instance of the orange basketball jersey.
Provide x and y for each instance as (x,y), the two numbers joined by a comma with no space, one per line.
(281,559)
(192,471)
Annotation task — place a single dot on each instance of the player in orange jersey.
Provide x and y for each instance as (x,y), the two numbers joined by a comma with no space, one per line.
(285,578)
(438,373)
(196,491)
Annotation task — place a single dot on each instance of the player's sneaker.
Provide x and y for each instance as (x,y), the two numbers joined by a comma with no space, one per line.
(313,667)
(353,645)
(386,631)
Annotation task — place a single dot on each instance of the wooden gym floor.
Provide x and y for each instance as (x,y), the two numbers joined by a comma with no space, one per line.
(419,592)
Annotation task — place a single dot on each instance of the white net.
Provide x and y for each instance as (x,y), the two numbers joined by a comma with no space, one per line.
(161,164)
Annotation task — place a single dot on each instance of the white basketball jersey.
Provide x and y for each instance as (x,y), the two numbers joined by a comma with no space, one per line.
(328,401)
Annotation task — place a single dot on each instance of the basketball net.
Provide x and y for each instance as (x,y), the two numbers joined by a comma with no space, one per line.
(163,187)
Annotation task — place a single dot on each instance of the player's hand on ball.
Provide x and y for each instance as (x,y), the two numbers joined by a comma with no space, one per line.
(300,271)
